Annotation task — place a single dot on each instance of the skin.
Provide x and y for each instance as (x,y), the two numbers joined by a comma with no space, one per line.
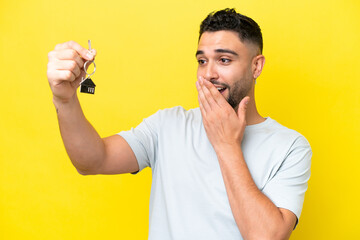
(256,216)
(111,155)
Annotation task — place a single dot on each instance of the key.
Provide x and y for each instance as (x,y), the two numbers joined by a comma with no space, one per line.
(87,85)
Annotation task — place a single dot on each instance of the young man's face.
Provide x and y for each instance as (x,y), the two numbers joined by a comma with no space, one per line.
(226,62)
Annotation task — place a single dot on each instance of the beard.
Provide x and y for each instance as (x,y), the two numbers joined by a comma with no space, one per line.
(237,91)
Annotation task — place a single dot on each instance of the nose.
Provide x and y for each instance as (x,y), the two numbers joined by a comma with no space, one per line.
(210,72)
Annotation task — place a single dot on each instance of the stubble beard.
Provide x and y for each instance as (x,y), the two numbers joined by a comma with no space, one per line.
(237,92)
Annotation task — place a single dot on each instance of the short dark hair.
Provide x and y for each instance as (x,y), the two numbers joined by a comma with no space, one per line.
(229,19)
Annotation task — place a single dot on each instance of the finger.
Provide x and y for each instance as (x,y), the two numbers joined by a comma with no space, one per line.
(209,96)
(243,107)
(203,113)
(93,52)
(83,52)
(63,75)
(78,80)
(65,65)
(66,54)
(202,98)
(217,96)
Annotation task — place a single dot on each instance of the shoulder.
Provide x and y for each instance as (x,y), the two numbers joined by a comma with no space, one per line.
(177,113)
(296,137)
(285,134)
(275,137)
(297,147)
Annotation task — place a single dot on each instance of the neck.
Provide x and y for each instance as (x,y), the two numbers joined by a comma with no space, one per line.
(252,115)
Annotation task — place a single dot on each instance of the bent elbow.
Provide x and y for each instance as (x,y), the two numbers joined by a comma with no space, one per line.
(82,172)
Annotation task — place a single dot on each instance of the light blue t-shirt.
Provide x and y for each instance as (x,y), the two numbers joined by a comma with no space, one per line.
(188,197)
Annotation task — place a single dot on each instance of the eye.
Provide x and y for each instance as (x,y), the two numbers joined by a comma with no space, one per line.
(201,61)
(225,60)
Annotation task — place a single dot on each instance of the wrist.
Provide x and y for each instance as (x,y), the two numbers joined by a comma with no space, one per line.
(228,149)
(57,101)
(61,103)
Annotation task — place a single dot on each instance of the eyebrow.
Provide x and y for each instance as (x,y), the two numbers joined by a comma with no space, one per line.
(220,50)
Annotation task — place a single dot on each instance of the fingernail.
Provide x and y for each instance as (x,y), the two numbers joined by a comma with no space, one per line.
(89,56)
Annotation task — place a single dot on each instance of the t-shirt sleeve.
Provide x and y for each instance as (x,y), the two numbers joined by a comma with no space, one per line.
(288,186)
(143,140)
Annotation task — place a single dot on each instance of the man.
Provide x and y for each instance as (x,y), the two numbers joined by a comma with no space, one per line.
(220,171)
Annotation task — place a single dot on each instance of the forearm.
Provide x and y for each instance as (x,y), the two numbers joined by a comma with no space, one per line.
(83,144)
(256,216)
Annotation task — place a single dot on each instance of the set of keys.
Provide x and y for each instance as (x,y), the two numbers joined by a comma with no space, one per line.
(86,84)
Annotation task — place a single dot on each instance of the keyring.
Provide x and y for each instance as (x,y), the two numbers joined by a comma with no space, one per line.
(85,67)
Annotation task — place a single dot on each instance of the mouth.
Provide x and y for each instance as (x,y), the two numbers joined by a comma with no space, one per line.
(221,89)
(220,86)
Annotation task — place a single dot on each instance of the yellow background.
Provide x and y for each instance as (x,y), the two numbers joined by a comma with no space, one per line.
(146,62)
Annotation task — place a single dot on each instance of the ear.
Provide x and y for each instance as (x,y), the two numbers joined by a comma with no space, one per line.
(257,65)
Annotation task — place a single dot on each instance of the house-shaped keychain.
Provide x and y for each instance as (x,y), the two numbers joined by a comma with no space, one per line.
(87,86)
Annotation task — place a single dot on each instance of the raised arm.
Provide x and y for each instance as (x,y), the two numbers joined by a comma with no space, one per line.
(89,153)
